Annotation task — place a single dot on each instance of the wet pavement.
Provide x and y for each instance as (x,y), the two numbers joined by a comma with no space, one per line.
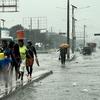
(77,80)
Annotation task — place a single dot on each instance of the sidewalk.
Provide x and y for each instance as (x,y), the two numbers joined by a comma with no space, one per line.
(38,75)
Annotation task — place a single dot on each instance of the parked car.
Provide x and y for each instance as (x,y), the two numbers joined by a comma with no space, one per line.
(86,51)
(92,45)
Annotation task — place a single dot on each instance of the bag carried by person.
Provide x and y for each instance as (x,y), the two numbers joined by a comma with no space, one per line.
(22,66)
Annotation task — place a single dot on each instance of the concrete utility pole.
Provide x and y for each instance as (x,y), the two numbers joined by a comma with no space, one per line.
(73,29)
(84,35)
(68,28)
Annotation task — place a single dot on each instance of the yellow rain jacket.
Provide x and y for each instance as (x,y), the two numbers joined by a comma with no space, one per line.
(23,52)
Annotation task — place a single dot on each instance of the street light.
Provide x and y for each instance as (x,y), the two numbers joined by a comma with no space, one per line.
(3,22)
(84,32)
(84,7)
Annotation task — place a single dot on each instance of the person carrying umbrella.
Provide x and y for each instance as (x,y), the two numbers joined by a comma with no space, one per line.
(63,52)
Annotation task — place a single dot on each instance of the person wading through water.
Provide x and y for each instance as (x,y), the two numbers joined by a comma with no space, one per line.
(15,55)
(23,50)
(31,52)
(63,52)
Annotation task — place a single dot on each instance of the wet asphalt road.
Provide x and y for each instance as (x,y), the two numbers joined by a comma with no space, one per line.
(77,80)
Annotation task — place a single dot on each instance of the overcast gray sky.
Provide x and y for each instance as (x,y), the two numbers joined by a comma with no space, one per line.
(56,17)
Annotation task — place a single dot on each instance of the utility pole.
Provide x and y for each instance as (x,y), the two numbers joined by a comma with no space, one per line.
(30,28)
(73,29)
(84,35)
(68,29)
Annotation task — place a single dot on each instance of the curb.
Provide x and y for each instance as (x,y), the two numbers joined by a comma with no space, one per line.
(40,77)
(72,58)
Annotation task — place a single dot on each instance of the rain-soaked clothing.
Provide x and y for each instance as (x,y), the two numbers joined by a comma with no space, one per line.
(15,55)
(31,51)
(22,50)
(63,52)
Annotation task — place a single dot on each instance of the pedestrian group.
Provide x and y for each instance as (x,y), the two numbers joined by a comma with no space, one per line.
(19,57)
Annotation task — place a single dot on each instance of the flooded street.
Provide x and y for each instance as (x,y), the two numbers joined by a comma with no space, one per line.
(39,34)
(77,80)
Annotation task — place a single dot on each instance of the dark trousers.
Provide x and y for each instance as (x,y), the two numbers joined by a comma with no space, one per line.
(29,70)
(16,66)
(63,58)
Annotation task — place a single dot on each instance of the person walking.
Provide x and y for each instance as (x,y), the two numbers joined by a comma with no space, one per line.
(15,56)
(31,52)
(23,50)
(6,62)
(63,52)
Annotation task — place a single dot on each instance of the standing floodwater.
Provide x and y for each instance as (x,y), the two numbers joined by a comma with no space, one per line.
(78,80)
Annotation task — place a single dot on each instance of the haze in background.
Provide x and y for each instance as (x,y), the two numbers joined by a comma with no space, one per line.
(56,17)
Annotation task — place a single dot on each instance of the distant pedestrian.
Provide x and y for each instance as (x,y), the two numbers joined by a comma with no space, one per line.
(63,52)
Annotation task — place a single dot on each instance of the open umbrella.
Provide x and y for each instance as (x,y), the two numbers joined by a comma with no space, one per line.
(64,45)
